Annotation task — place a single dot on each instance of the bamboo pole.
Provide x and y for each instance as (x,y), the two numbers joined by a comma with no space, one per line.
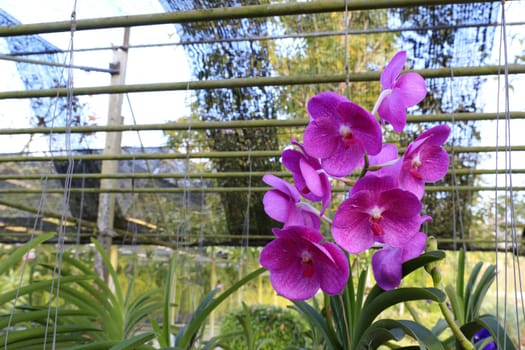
(106,201)
(259,123)
(224,13)
(211,175)
(456,72)
(219,154)
(166,190)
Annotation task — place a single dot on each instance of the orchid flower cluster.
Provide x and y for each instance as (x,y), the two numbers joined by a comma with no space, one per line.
(383,207)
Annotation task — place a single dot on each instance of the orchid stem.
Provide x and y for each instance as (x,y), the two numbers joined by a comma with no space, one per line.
(327,219)
(365,167)
(449,317)
(412,311)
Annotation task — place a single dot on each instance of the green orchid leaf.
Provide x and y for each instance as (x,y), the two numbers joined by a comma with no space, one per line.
(376,335)
(187,334)
(317,321)
(480,291)
(398,328)
(118,290)
(496,330)
(14,257)
(383,301)
(134,342)
(470,286)
(456,302)
(39,334)
(440,326)
(460,277)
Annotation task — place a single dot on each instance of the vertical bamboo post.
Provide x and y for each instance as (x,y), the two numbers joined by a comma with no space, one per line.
(106,201)
(213,285)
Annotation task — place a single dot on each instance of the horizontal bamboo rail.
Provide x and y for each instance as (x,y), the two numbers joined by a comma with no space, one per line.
(210,175)
(240,124)
(456,72)
(225,13)
(211,154)
(170,190)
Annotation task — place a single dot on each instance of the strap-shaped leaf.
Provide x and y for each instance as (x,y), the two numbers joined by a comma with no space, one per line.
(496,330)
(134,342)
(480,291)
(425,338)
(389,298)
(377,335)
(456,302)
(186,335)
(15,256)
(319,322)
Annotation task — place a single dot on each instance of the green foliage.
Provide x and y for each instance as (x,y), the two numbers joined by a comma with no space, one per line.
(262,327)
(466,299)
(80,310)
(351,318)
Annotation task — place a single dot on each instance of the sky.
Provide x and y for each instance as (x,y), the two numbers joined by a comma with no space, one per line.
(162,64)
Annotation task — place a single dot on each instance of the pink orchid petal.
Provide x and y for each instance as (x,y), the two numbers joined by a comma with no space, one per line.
(328,193)
(323,105)
(392,171)
(363,124)
(439,134)
(311,178)
(393,111)
(387,267)
(290,159)
(292,285)
(434,166)
(350,227)
(281,185)
(276,205)
(374,184)
(410,89)
(296,278)
(344,160)
(388,153)
(393,69)
(321,138)
(279,254)
(305,233)
(409,183)
(299,217)
(334,278)
(415,246)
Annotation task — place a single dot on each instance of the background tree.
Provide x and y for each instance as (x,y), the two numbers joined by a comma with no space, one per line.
(212,56)
(439,42)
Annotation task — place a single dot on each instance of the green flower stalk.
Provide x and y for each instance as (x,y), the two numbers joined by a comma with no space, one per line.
(435,272)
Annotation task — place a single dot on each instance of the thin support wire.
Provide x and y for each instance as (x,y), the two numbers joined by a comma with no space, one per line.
(148,166)
(57,271)
(510,222)
(456,198)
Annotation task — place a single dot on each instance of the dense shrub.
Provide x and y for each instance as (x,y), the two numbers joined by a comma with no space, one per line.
(272,327)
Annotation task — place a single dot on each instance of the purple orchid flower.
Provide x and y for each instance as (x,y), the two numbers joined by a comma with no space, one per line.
(481,336)
(425,160)
(300,264)
(340,132)
(399,92)
(309,178)
(377,211)
(283,203)
(387,263)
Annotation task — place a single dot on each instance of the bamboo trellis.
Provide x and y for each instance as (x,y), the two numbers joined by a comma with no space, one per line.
(257,11)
